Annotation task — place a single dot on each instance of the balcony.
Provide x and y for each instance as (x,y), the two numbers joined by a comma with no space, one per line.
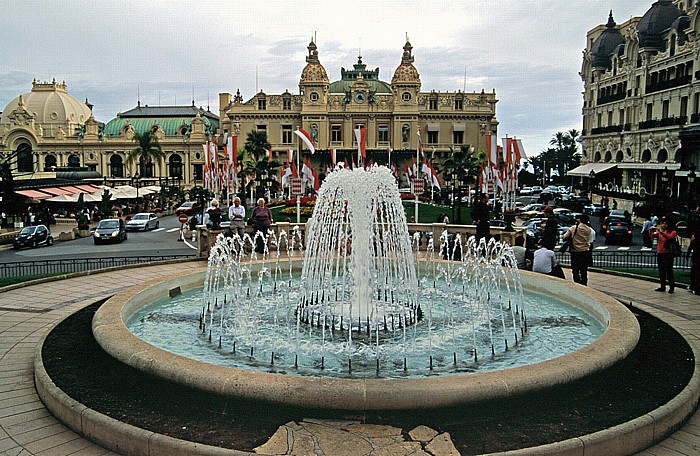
(608,129)
(669,84)
(665,122)
(610,98)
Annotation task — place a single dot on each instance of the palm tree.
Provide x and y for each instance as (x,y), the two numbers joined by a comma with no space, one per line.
(256,144)
(465,167)
(256,163)
(148,150)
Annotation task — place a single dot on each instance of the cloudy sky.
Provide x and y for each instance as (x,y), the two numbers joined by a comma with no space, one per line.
(164,51)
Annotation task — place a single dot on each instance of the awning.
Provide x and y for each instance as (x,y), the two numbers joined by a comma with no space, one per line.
(457,127)
(74,190)
(585,170)
(659,166)
(33,194)
(56,191)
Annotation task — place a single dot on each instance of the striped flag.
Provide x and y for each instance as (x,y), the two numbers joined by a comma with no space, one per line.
(306,138)
(333,161)
(361,137)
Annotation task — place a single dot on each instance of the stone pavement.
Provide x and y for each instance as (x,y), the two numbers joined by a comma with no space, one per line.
(28,312)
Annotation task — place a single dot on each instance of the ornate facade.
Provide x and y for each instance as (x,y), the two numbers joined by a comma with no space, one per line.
(641,100)
(48,129)
(392,112)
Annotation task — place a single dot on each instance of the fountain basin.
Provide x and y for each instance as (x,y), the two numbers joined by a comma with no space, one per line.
(619,339)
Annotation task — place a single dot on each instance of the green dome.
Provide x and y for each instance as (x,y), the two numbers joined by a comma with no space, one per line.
(349,77)
(174,120)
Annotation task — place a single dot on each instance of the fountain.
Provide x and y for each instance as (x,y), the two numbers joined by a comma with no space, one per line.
(359,300)
(367,321)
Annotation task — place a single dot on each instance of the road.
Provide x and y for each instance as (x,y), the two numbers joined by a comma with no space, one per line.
(161,241)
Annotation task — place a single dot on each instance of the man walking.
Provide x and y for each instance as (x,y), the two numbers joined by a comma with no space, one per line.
(581,235)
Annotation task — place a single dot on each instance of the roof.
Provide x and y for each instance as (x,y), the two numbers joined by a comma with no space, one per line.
(170,125)
(655,22)
(360,71)
(606,44)
(167,111)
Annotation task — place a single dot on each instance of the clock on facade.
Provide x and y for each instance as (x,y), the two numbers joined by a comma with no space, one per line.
(360,96)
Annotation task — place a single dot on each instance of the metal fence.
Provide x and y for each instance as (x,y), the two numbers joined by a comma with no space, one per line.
(626,260)
(65,266)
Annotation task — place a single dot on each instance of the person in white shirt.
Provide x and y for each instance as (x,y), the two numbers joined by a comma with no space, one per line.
(236,215)
(545,262)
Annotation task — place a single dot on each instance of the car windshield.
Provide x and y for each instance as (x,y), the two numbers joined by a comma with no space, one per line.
(108,224)
(617,220)
(140,217)
(28,230)
(187,204)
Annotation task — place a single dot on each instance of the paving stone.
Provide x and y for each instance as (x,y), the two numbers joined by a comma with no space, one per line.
(338,442)
(374,430)
(422,434)
(400,449)
(442,446)
(278,444)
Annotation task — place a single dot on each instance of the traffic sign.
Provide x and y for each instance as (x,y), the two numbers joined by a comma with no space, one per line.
(182,218)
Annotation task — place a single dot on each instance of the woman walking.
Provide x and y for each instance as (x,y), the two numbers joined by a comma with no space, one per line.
(665,235)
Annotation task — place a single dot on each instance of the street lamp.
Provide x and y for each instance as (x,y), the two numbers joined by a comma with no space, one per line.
(664,180)
(691,181)
(591,177)
(636,182)
(137,180)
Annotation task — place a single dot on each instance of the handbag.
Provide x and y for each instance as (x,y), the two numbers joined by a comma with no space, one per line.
(568,242)
(673,247)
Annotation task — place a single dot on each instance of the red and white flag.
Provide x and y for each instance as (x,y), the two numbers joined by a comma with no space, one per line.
(491,148)
(290,155)
(306,138)
(316,182)
(333,157)
(361,137)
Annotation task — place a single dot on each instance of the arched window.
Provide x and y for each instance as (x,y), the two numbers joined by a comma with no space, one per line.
(596,157)
(146,168)
(662,156)
(646,156)
(608,156)
(25,159)
(618,156)
(175,166)
(50,163)
(73,161)
(677,156)
(116,166)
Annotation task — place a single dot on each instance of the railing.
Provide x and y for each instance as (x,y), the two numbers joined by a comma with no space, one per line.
(626,260)
(66,266)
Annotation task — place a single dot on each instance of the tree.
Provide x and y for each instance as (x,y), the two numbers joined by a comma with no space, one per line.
(256,144)
(148,149)
(464,166)
(562,157)
(256,164)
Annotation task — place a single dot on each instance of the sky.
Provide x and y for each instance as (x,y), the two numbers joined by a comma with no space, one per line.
(165,52)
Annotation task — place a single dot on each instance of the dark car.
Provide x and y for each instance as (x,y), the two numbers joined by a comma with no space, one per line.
(33,236)
(189,208)
(577,203)
(595,209)
(110,230)
(617,229)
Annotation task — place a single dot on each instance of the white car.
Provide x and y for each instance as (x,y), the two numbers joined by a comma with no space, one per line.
(143,221)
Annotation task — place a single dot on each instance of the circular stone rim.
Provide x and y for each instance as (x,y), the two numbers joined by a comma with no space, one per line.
(619,339)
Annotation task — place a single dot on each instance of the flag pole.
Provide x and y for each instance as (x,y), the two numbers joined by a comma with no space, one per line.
(298,171)
(418,170)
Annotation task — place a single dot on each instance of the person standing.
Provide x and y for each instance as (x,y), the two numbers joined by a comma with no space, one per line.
(480,216)
(694,252)
(646,235)
(236,214)
(665,235)
(581,239)
(262,219)
(550,234)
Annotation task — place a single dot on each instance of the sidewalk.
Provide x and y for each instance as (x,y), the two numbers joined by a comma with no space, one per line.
(27,313)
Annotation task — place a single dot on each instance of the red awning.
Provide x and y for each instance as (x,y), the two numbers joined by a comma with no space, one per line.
(33,194)
(73,190)
(87,188)
(57,191)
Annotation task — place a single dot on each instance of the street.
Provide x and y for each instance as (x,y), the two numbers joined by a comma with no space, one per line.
(161,241)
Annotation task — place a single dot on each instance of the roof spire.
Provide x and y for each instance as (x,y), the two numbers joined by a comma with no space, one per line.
(611,22)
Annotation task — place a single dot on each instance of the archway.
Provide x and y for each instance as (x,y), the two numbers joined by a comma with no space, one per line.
(73,161)
(175,166)
(50,163)
(25,158)
(116,166)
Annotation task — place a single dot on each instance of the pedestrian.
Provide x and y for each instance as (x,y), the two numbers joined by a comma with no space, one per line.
(212,217)
(262,219)
(694,252)
(582,237)
(614,204)
(665,235)
(545,262)
(236,215)
(480,216)
(646,234)
(550,234)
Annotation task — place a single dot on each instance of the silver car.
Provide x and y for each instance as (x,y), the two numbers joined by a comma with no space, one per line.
(143,221)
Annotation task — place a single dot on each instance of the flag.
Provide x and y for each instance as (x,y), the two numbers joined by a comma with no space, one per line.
(409,171)
(306,138)
(229,149)
(294,170)
(425,169)
(519,151)
(316,182)
(333,157)
(306,173)
(290,155)
(361,137)
(491,148)
(286,174)
(420,144)
(434,176)
(234,150)
(389,150)
(269,154)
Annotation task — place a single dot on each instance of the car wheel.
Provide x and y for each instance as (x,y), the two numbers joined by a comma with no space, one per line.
(157,225)
(49,241)
(95,240)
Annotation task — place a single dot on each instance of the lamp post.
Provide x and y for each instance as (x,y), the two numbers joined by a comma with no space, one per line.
(664,181)
(137,180)
(591,177)
(691,193)
(636,181)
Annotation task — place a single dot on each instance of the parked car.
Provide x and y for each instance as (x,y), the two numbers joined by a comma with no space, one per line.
(536,189)
(577,203)
(189,208)
(617,228)
(32,236)
(110,230)
(525,191)
(531,210)
(143,221)
(595,209)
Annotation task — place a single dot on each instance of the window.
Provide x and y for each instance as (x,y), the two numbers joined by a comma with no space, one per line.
(664,109)
(116,166)
(459,104)
(696,103)
(286,134)
(610,119)
(433,137)
(73,161)
(600,120)
(261,127)
(433,104)
(262,104)
(197,173)
(313,96)
(684,107)
(406,96)
(650,111)
(383,134)
(336,133)
(457,137)
(286,104)
(175,166)
(50,163)
(621,117)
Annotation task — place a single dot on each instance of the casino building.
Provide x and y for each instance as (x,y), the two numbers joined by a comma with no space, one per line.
(641,104)
(392,112)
